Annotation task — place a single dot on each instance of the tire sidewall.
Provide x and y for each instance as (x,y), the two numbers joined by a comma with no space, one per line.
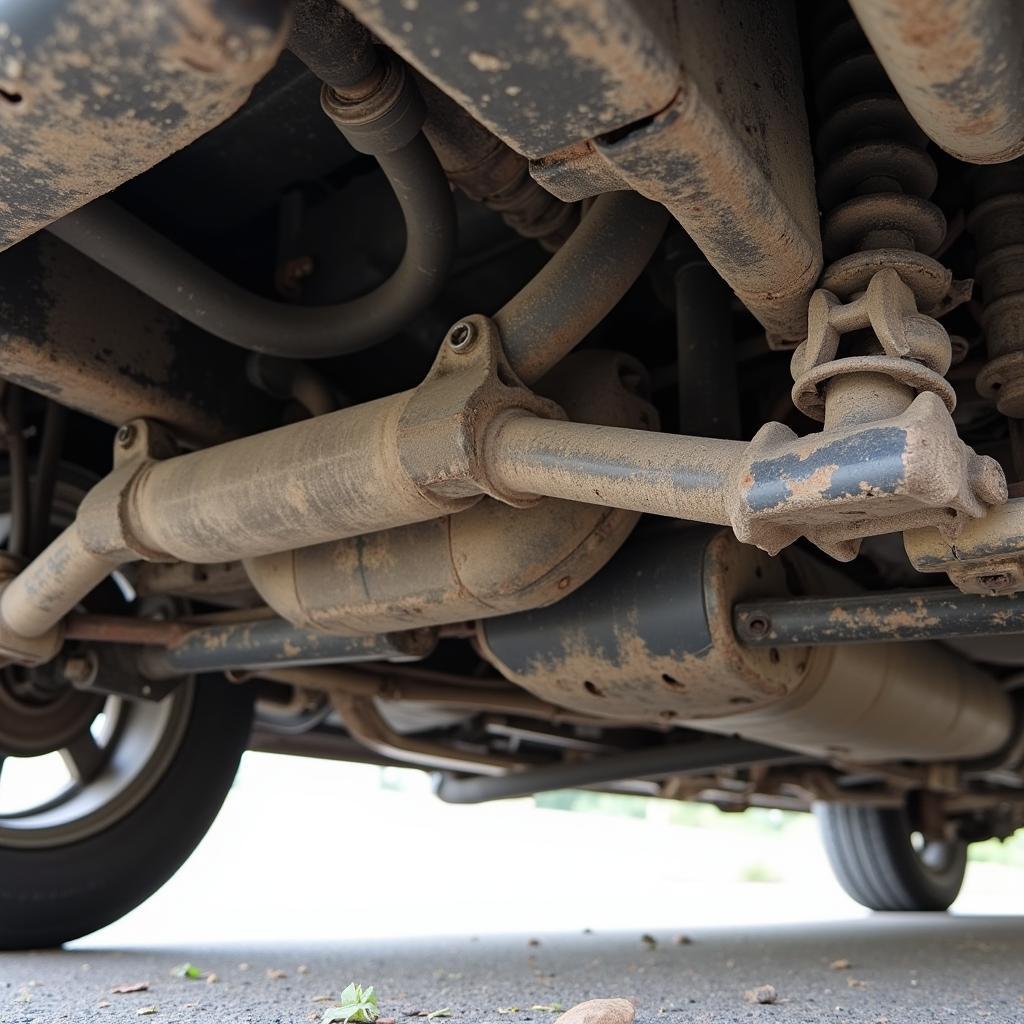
(50,896)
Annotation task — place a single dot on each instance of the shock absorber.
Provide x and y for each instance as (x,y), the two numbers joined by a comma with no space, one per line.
(875,183)
(997,223)
(871,369)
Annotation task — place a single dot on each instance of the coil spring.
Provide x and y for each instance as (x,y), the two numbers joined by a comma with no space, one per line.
(997,224)
(876,176)
(875,181)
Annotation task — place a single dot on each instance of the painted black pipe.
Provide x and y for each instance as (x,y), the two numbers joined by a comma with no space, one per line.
(939,614)
(649,762)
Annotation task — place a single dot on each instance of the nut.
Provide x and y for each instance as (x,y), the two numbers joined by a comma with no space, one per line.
(80,669)
(461,336)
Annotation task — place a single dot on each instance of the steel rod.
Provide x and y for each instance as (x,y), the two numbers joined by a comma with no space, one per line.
(664,474)
(649,762)
(245,645)
(933,614)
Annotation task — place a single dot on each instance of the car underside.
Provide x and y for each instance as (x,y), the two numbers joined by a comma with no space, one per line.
(577,394)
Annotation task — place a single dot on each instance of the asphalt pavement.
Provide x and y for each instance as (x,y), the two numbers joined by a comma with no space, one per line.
(884,970)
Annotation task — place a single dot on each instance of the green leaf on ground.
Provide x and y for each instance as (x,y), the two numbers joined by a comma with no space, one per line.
(358,1006)
(188,971)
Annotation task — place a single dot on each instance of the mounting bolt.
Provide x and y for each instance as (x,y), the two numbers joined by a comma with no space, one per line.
(759,625)
(126,435)
(80,669)
(461,336)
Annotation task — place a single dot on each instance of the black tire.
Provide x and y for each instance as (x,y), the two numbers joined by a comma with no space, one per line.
(52,895)
(874,858)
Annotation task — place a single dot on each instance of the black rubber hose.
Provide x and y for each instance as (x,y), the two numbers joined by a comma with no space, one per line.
(132,250)
(581,284)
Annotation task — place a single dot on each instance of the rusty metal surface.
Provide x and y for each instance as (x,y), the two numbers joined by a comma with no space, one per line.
(876,176)
(997,224)
(218,580)
(488,171)
(730,157)
(123,629)
(403,459)
(655,631)
(93,94)
(75,333)
(928,614)
(986,557)
(539,78)
(488,560)
(956,65)
(274,642)
(861,480)
(651,635)
(692,104)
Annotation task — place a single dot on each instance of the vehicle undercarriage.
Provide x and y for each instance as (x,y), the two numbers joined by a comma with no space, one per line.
(619,395)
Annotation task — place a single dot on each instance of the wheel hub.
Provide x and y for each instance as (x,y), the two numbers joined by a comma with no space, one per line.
(38,717)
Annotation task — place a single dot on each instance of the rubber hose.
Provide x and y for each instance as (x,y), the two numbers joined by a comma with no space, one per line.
(144,258)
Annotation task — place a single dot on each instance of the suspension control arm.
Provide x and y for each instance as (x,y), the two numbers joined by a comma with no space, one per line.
(470,429)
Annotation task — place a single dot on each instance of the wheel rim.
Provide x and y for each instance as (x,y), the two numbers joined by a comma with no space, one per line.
(74,763)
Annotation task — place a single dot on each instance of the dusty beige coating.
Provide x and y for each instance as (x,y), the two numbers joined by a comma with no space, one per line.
(884,702)
(83,141)
(665,474)
(402,459)
(488,560)
(956,65)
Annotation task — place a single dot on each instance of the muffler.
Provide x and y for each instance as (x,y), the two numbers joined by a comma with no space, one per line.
(651,637)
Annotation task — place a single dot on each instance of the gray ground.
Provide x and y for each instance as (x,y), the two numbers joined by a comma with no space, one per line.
(911,969)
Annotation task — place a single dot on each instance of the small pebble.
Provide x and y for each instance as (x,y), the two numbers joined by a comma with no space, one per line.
(763,994)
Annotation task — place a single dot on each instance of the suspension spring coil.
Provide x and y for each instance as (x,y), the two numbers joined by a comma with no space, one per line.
(875,181)
(997,224)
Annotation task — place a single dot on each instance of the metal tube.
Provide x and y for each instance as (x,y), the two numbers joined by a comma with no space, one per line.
(664,474)
(407,686)
(321,479)
(956,65)
(274,642)
(126,246)
(939,614)
(581,283)
(649,762)
(52,584)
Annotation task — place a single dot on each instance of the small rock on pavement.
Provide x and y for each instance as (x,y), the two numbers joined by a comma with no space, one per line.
(764,994)
(600,1011)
